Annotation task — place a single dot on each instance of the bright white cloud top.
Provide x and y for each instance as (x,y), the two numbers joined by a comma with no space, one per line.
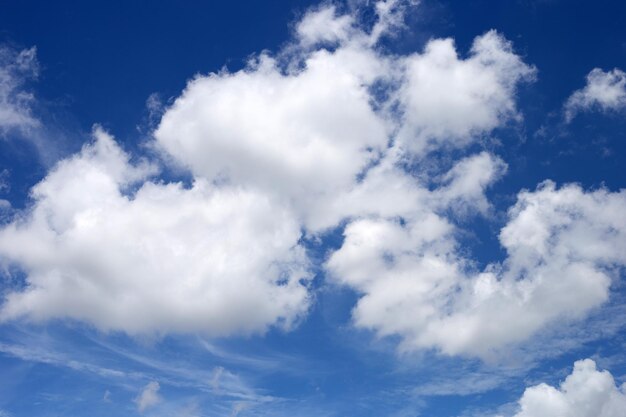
(451,101)
(586,392)
(162,259)
(605,91)
(298,144)
(561,244)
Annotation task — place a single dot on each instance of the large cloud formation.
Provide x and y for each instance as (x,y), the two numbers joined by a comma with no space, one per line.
(586,392)
(561,245)
(332,131)
(166,258)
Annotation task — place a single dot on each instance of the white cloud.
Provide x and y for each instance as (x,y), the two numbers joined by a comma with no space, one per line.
(464,185)
(452,101)
(307,129)
(586,392)
(149,396)
(605,91)
(390,16)
(15,103)
(162,258)
(414,282)
(324,25)
(300,136)
(303,142)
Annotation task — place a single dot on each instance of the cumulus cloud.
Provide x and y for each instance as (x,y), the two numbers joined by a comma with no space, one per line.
(586,392)
(324,25)
(301,136)
(605,91)
(308,129)
(157,258)
(452,101)
(335,132)
(148,397)
(562,245)
(463,187)
(16,67)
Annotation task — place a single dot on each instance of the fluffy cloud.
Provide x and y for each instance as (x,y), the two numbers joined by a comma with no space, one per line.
(463,187)
(586,392)
(296,144)
(308,128)
(562,245)
(450,101)
(159,258)
(148,397)
(324,25)
(300,136)
(604,90)
(15,103)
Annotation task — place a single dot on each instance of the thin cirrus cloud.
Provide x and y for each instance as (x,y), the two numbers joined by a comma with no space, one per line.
(604,91)
(297,144)
(16,68)
(22,113)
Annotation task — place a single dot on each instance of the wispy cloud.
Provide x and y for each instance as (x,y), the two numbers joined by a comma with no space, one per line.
(148,397)
(16,68)
(32,353)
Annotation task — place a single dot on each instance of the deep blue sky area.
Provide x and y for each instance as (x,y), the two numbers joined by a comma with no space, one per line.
(100,61)
(103,60)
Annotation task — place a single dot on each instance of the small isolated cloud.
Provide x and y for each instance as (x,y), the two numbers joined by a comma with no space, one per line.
(605,91)
(239,407)
(148,397)
(155,109)
(5,185)
(324,26)
(215,379)
(586,392)
(16,68)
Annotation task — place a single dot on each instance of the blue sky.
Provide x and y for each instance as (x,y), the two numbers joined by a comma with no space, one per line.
(360,208)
